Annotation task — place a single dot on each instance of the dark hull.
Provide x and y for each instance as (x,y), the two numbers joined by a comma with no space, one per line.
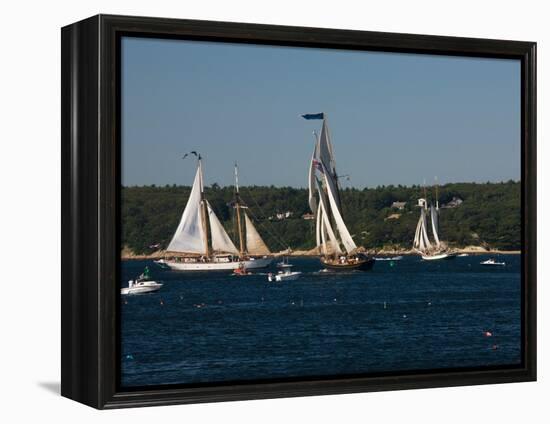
(363,265)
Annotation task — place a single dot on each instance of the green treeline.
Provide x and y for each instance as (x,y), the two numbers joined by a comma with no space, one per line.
(490,215)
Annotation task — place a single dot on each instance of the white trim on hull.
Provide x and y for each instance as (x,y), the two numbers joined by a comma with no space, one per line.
(284,276)
(217,266)
(438,256)
(141,287)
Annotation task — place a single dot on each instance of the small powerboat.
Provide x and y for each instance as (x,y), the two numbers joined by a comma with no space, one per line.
(438,256)
(492,262)
(286,275)
(393,258)
(241,270)
(142,284)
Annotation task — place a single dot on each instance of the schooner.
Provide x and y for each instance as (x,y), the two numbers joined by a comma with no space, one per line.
(201,243)
(433,249)
(336,246)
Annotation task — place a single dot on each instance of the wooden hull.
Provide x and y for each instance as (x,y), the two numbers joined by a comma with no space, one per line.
(363,264)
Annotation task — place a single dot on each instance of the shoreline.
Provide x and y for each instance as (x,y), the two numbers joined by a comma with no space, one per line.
(127,255)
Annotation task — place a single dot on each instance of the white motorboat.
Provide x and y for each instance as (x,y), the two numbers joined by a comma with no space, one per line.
(286,275)
(140,287)
(492,262)
(462,255)
(393,258)
(438,256)
(142,284)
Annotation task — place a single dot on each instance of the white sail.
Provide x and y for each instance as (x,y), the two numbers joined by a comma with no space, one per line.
(425,236)
(425,241)
(325,151)
(190,236)
(318,220)
(335,245)
(325,155)
(345,236)
(254,243)
(417,238)
(435,225)
(329,210)
(421,237)
(323,234)
(312,179)
(220,240)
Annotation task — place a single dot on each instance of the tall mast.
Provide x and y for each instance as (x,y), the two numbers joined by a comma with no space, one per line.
(425,196)
(204,212)
(237,211)
(436,194)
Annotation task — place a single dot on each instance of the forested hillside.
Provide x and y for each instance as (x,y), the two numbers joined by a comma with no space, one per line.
(489,215)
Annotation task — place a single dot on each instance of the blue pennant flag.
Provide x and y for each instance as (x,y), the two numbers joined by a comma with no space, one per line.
(309,116)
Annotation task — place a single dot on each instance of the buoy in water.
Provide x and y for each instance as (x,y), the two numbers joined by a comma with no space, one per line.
(487,334)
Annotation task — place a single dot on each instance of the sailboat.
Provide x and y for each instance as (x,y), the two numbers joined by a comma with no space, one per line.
(337,249)
(201,243)
(435,249)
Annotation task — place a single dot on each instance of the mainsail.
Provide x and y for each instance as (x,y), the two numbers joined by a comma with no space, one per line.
(435,224)
(345,236)
(312,182)
(254,243)
(332,244)
(421,237)
(323,187)
(190,235)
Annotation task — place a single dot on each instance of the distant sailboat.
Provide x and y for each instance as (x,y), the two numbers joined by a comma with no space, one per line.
(435,249)
(336,246)
(201,243)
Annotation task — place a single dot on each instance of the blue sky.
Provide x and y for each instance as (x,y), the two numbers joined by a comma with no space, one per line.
(394,118)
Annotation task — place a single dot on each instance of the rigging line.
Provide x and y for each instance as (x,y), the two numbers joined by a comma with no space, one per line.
(278,239)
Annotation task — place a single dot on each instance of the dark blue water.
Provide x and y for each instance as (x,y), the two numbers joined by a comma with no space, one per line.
(215,327)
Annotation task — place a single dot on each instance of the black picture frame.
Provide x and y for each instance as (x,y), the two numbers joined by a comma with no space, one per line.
(90,139)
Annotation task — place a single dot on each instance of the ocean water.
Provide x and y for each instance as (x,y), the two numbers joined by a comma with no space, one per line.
(401,316)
